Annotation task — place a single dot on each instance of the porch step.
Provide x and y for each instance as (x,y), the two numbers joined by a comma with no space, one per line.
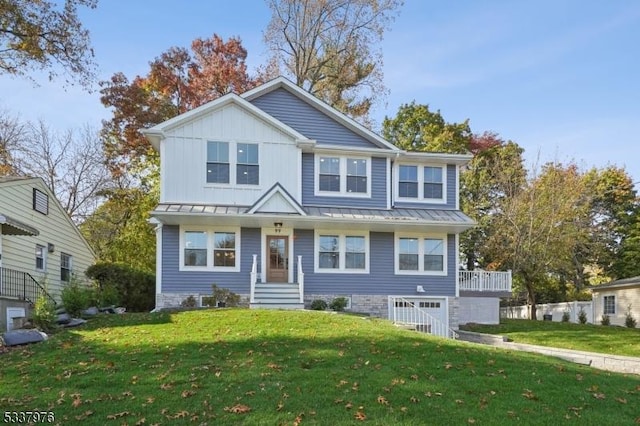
(277,296)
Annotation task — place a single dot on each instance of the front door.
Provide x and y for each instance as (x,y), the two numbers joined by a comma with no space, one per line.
(278,262)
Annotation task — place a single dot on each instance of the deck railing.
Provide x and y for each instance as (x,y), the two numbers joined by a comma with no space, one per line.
(484,281)
(405,312)
(21,285)
(300,279)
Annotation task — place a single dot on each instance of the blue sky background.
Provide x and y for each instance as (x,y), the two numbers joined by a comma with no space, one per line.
(561,78)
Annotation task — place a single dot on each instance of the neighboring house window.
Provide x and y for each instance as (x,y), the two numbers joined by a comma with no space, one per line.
(247,168)
(421,183)
(421,254)
(207,248)
(408,182)
(609,305)
(66,267)
(344,252)
(40,201)
(195,248)
(217,162)
(40,257)
(343,176)
(329,174)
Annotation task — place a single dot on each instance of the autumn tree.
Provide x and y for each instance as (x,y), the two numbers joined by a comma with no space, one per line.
(178,81)
(42,35)
(12,135)
(329,48)
(536,231)
(416,128)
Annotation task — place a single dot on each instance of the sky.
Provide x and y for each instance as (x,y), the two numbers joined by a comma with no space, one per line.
(561,78)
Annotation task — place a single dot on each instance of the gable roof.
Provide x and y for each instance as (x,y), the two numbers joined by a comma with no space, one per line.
(288,85)
(626,282)
(275,192)
(156,133)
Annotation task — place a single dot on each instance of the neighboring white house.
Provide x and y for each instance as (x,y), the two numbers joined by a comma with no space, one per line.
(617,298)
(40,247)
(282,199)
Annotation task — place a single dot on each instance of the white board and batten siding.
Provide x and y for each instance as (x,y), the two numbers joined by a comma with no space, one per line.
(56,228)
(184,157)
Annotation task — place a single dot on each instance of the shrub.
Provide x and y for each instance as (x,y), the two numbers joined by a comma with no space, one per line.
(582,316)
(565,316)
(189,302)
(44,314)
(135,288)
(339,304)
(629,320)
(224,296)
(605,320)
(319,305)
(76,298)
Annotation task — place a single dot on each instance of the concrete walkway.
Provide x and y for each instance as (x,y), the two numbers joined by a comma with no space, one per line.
(617,363)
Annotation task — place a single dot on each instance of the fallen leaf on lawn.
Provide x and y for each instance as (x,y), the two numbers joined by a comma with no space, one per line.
(529,394)
(414,400)
(117,415)
(166,386)
(250,393)
(382,400)
(150,400)
(360,416)
(598,395)
(459,401)
(76,402)
(273,366)
(579,377)
(348,406)
(238,409)
(471,421)
(414,377)
(338,401)
(141,421)
(621,400)
(448,366)
(280,406)
(187,393)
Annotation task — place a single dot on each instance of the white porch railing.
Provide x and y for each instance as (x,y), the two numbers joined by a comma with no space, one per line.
(254,277)
(484,280)
(300,279)
(405,312)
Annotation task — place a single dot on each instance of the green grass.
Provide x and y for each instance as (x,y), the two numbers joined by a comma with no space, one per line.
(258,367)
(582,337)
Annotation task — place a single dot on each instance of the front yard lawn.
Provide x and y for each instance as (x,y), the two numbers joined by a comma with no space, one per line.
(260,367)
(582,337)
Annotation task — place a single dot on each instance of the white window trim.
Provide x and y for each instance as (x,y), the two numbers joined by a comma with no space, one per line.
(614,304)
(421,238)
(233,165)
(44,258)
(70,268)
(343,177)
(420,198)
(210,231)
(342,252)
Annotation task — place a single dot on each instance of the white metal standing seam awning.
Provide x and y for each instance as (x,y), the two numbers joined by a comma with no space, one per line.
(10,226)
(447,221)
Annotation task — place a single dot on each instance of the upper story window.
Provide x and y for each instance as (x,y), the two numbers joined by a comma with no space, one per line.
(223,156)
(247,168)
(424,254)
(343,176)
(217,162)
(342,252)
(41,264)
(40,201)
(66,267)
(206,248)
(421,183)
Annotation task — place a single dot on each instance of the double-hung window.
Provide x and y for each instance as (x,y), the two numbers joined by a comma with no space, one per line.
(207,248)
(609,305)
(422,254)
(343,176)
(342,252)
(247,167)
(421,183)
(217,162)
(66,267)
(40,258)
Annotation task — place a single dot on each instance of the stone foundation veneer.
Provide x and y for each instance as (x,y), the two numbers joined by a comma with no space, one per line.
(173,300)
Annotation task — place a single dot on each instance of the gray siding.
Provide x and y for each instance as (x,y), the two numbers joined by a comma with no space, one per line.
(381,278)
(378,198)
(452,184)
(307,120)
(176,281)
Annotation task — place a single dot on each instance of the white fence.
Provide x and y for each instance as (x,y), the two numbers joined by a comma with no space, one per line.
(554,309)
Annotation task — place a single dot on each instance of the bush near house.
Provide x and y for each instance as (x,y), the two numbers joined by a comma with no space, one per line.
(135,288)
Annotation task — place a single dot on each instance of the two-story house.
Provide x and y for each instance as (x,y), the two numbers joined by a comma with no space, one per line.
(278,197)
